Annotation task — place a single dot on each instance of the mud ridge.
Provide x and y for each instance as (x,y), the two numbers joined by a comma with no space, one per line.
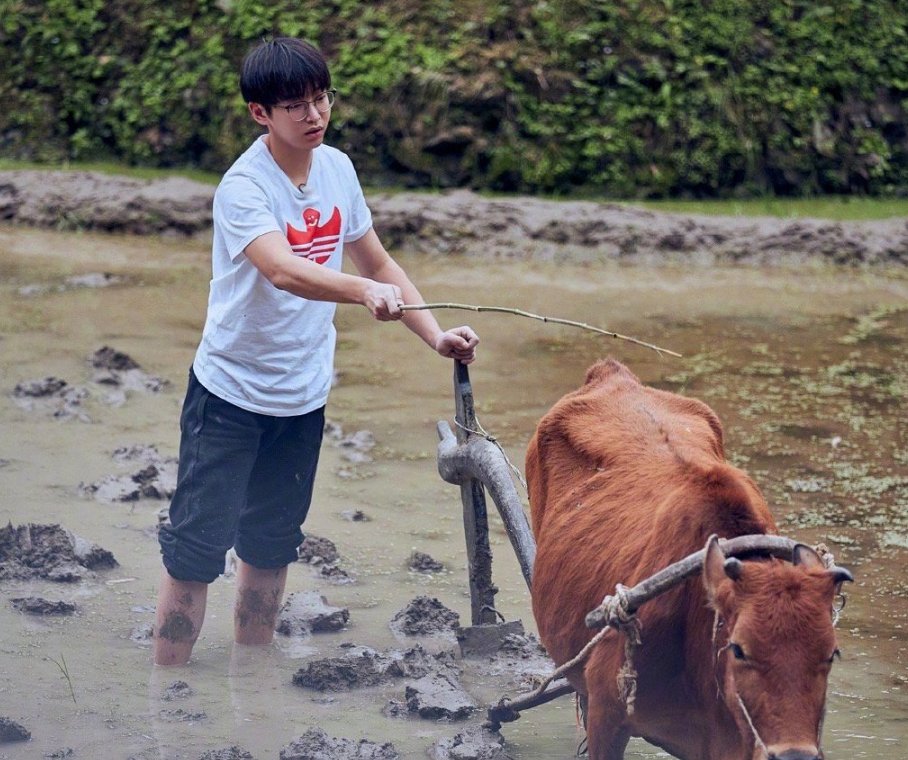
(463,223)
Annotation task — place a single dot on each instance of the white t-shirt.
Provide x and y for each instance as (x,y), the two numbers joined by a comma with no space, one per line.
(263,349)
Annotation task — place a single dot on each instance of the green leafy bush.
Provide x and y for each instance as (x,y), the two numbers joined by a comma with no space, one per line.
(645,98)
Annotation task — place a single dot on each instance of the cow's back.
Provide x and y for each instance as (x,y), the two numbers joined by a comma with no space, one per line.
(623,480)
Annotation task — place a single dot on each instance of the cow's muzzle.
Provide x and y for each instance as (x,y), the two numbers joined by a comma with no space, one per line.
(794,754)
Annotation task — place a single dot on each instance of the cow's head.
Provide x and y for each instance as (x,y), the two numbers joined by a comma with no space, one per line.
(776,646)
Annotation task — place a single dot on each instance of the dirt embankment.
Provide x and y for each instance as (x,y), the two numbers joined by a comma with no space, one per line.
(461,222)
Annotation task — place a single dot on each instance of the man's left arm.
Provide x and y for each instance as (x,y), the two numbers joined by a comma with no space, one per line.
(372,260)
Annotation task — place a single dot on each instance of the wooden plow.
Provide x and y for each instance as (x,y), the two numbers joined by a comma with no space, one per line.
(469,459)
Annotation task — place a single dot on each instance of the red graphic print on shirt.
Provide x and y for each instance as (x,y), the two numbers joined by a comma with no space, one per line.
(316,243)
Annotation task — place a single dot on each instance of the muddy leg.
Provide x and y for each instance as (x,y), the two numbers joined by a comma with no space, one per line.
(178,619)
(258,600)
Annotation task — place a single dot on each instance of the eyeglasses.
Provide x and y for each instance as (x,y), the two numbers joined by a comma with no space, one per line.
(300,110)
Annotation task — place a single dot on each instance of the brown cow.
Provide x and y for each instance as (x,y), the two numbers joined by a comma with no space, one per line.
(625,480)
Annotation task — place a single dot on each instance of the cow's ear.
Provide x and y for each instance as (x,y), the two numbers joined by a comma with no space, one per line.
(807,558)
(713,567)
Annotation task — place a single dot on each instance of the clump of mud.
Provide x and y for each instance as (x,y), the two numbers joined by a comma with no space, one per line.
(60,754)
(355,447)
(309,612)
(179,715)
(120,373)
(52,396)
(322,553)
(37,605)
(425,616)
(316,550)
(520,659)
(355,515)
(229,753)
(335,574)
(433,690)
(315,744)
(421,562)
(48,552)
(156,477)
(10,731)
(142,634)
(177,690)
(115,374)
(439,696)
(355,451)
(498,638)
(473,743)
(49,386)
(362,666)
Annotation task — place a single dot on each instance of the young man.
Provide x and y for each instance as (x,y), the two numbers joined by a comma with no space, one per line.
(254,411)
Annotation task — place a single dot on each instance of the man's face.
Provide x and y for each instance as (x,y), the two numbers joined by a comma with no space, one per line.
(300,123)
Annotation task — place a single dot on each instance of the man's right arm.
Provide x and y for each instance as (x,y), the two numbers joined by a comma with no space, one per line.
(271,255)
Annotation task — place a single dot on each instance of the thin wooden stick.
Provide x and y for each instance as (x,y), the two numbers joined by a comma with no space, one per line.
(555,320)
(507,710)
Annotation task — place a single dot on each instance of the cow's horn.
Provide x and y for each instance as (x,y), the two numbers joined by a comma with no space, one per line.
(734,568)
(841,574)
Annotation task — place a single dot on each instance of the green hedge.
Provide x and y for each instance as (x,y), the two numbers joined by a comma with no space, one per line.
(633,98)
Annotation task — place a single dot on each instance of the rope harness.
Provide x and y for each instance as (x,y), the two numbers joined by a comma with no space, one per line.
(618,618)
(616,607)
(760,744)
(627,623)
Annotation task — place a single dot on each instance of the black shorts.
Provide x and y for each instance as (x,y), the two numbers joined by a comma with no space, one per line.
(245,480)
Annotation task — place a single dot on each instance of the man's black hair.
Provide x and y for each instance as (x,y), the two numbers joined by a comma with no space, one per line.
(283,69)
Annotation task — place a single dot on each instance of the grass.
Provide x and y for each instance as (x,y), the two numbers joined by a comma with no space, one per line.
(839,207)
(65,671)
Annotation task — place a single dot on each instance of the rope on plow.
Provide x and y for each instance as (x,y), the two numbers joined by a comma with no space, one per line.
(480,431)
(617,618)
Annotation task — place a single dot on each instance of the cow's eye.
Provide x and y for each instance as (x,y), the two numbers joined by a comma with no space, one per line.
(835,654)
(737,651)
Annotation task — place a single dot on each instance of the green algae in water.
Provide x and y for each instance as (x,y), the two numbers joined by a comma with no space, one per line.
(871,324)
(891,538)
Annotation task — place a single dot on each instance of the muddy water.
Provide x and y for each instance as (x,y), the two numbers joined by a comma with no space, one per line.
(807,369)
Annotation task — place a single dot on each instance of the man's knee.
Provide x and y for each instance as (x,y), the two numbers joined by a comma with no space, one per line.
(269,554)
(189,560)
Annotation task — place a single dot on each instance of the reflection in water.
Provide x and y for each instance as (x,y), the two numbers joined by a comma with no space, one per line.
(806,368)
